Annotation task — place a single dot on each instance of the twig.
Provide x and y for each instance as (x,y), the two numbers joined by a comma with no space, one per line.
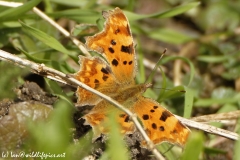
(35,68)
(61,77)
(234,115)
(209,128)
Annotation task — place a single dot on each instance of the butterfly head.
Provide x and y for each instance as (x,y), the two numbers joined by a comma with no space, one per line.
(146,86)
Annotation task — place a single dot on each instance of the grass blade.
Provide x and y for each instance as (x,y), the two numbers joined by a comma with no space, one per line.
(45,38)
(193,147)
(188,105)
(170,13)
(15,13)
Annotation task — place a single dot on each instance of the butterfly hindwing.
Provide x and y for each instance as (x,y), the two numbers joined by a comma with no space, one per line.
(95,73)
(160,124)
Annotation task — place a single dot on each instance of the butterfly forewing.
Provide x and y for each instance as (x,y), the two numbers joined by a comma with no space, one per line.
(115,43)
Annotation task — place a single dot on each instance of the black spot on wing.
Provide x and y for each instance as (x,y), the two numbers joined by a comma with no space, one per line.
(154,126)
(113,42)
(165,115)
(127,119)
(105,70)
(155,107)
(145,117)
(161,128)
(174,131)
(130,62)
(152,110)
(96,81)
(96,85)
(117,31)
(114,62)
(124,62)
(111,49)
(127,49)
(105,78)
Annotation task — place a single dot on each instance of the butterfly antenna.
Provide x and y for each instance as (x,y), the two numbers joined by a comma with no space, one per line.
(182,91)
(149,79)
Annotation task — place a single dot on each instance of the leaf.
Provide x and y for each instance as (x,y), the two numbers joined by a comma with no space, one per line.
(46,136)
(210,151)
(172,93)
(213,59)
(193,147)
(74,3)
(178,10)
(164,85)
(223,92)
(80,15)
(30,57)
(45,38)
(188,105)
(213,101)
(116,139)
(81,148)
(169,36)
(236,155)
(15,13)
(169,153)
(8,77)
(170,13)
(57,90)
(84,29)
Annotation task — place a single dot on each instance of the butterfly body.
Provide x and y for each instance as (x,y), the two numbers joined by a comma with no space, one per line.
(115,78)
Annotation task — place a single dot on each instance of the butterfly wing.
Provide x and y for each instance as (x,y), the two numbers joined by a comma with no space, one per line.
(95,73)
(115,43)
(97,118)
(160,124)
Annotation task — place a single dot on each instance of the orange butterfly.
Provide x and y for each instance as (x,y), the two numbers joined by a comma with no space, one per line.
(115,78)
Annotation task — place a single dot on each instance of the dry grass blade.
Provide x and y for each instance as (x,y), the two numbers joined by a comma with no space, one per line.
(234,115)
(210,129)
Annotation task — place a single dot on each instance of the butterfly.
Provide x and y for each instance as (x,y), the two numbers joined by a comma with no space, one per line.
(113,73)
